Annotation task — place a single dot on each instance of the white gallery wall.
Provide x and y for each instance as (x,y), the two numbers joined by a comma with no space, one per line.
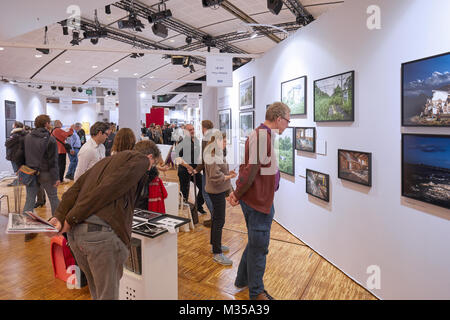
(28,106)
(80,113)
(360,227)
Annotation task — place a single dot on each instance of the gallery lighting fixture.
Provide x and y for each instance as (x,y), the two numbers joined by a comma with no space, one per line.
(274,6)
(43,50)
(94,67)
(131,23)
(60,88)
(113,93)
(191,67)
(253,35)
(135,74)
(161,14)
(80,90)
(115,70)
(75,38)
(136,55)
(74,89)
(188,39)
(53,88)
(65,28)
(211,3)
(39,87)
(67,61)
(1,48)
(94,41)
(160,30)
(38,55)
(108,9)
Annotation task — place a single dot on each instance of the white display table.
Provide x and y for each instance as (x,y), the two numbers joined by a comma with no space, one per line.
(173,198)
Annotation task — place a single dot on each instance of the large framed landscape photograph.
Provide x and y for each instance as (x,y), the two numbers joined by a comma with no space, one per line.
(334,98)
(293,94)
(426,168)
(305,139)
(247,94)
(246,124)
(285,144)
(355,166)
(318,185)
(426,92)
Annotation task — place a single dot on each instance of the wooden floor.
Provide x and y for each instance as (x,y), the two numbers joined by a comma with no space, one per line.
(293,270)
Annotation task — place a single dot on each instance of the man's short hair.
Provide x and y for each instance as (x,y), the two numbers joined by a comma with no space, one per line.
(277,109)
(97,127)
(207,124)
(148,147)
(41,121)
(18,124)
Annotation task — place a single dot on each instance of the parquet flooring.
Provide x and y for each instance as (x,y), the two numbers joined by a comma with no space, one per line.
(293,270)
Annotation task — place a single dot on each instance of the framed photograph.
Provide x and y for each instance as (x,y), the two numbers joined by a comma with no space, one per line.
(305,139)
(8,127)
(293,93)
(426,168)
(286,157)
(10,110)
(241,153)
(355,166)
(426,92)
(318,185)
(29,123)
(246,124)
(225,121)
(334,98)
(247,94)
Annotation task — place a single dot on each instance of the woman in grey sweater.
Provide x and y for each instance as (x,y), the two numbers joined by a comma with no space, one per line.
(218,186)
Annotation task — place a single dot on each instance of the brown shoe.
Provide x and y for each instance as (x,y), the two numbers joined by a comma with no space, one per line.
(263,296)
(30,236)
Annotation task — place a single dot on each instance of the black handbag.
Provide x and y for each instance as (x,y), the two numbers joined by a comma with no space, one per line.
(67,146)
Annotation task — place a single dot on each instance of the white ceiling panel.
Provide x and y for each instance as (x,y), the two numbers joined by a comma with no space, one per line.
(259,44)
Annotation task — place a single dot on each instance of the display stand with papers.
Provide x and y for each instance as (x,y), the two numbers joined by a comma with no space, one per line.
(151,272)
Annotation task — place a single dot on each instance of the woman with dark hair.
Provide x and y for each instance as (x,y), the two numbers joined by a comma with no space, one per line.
(123,140)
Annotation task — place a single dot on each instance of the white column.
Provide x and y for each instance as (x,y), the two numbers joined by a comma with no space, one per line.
(129,106)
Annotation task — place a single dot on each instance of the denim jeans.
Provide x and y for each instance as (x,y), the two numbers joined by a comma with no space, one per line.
(206,195)
(43,180)
(253,261)
(73,163)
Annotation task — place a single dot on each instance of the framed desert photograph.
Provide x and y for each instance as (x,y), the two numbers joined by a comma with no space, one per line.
(334,98)
(293,94)
(246,124)
(426,92)
(247,94)
(426,168)
(355,166)
(285,144)
(318,185)
(305,139)
(225,121)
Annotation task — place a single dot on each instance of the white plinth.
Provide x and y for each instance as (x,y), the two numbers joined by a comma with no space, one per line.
(173,198)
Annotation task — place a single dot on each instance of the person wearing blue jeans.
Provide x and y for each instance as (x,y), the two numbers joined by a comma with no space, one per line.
(75,142)
(256,185)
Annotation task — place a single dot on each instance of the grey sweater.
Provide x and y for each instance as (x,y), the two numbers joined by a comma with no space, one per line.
(215,178)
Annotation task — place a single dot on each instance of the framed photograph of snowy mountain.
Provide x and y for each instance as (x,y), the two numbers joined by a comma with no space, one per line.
(293,94)
(426,92)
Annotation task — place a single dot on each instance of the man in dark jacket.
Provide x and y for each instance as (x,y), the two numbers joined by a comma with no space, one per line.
(97,212)
(15,148)
(41,153)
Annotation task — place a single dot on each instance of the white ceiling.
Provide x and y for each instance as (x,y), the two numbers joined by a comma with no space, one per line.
(23,65)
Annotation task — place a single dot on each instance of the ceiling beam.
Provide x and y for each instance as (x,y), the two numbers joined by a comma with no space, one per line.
(246,18)
(301,14)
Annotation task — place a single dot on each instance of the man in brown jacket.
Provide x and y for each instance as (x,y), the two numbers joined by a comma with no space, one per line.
(97,212)
(255,188)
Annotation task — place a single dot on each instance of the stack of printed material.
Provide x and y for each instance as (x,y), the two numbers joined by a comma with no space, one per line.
(28,222)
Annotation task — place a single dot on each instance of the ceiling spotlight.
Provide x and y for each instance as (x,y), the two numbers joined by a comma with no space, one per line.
(1,48)
(191,67)
(135,74)
(160,30)
(113,93)
(108,9)
(43,50)
(115,70)
(108,92)
(188,39)
(75,38)
(94,41)
(94,67)
(80,90)
(211,3)
(253,35)
(131,23)
(274,6)
(159,16)
(74,89)
(39,87)
(60,88)
(38,55)
(53,88)
(67,61)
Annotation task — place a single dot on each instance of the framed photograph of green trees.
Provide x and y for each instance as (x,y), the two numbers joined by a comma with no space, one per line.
(334,98)
(285,146)
(293,94)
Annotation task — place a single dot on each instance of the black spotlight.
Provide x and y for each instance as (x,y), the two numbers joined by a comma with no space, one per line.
(94,41)
(108,92)
(60,88)
(53,88)
(39,87)
(188,39)
(274,6)
(74,89)
(75,38)
(210,3)
(43,50)
(160,30)
(113,93)
(108,9)
(191,67)
(65,28)
(80,90)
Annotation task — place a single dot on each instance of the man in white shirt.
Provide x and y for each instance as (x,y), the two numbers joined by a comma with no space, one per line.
(93,150)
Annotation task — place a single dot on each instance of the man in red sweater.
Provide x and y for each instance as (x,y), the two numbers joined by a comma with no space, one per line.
(61,136)
(258,180)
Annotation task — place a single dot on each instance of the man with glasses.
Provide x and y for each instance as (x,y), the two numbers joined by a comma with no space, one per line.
(258,180)
(93,150)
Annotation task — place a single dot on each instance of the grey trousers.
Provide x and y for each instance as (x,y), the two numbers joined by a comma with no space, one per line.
(100,255)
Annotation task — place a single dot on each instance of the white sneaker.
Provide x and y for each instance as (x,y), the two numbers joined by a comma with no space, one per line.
(220,258)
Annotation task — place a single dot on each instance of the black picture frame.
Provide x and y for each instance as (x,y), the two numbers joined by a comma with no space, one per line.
(242,136)
(325,198)
(8,127)
(29,123)
(10,110)
(291,152)
(406,104)
(352,91)
(354,178)
(418,174)
(252,90)
(299,148)
(305,84)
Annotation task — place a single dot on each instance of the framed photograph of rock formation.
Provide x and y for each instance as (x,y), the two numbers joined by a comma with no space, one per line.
(318,185)
(247,94)
(293,94)
(426,92)
(305,139)
(334,98)
(355,166)
(426,168)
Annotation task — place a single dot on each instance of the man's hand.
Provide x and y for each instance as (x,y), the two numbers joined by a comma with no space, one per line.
(233,174)
(55,222)
(233,200)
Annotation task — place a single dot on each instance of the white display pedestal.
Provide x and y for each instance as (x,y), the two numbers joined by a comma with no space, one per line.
(159,279)
(173,198)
